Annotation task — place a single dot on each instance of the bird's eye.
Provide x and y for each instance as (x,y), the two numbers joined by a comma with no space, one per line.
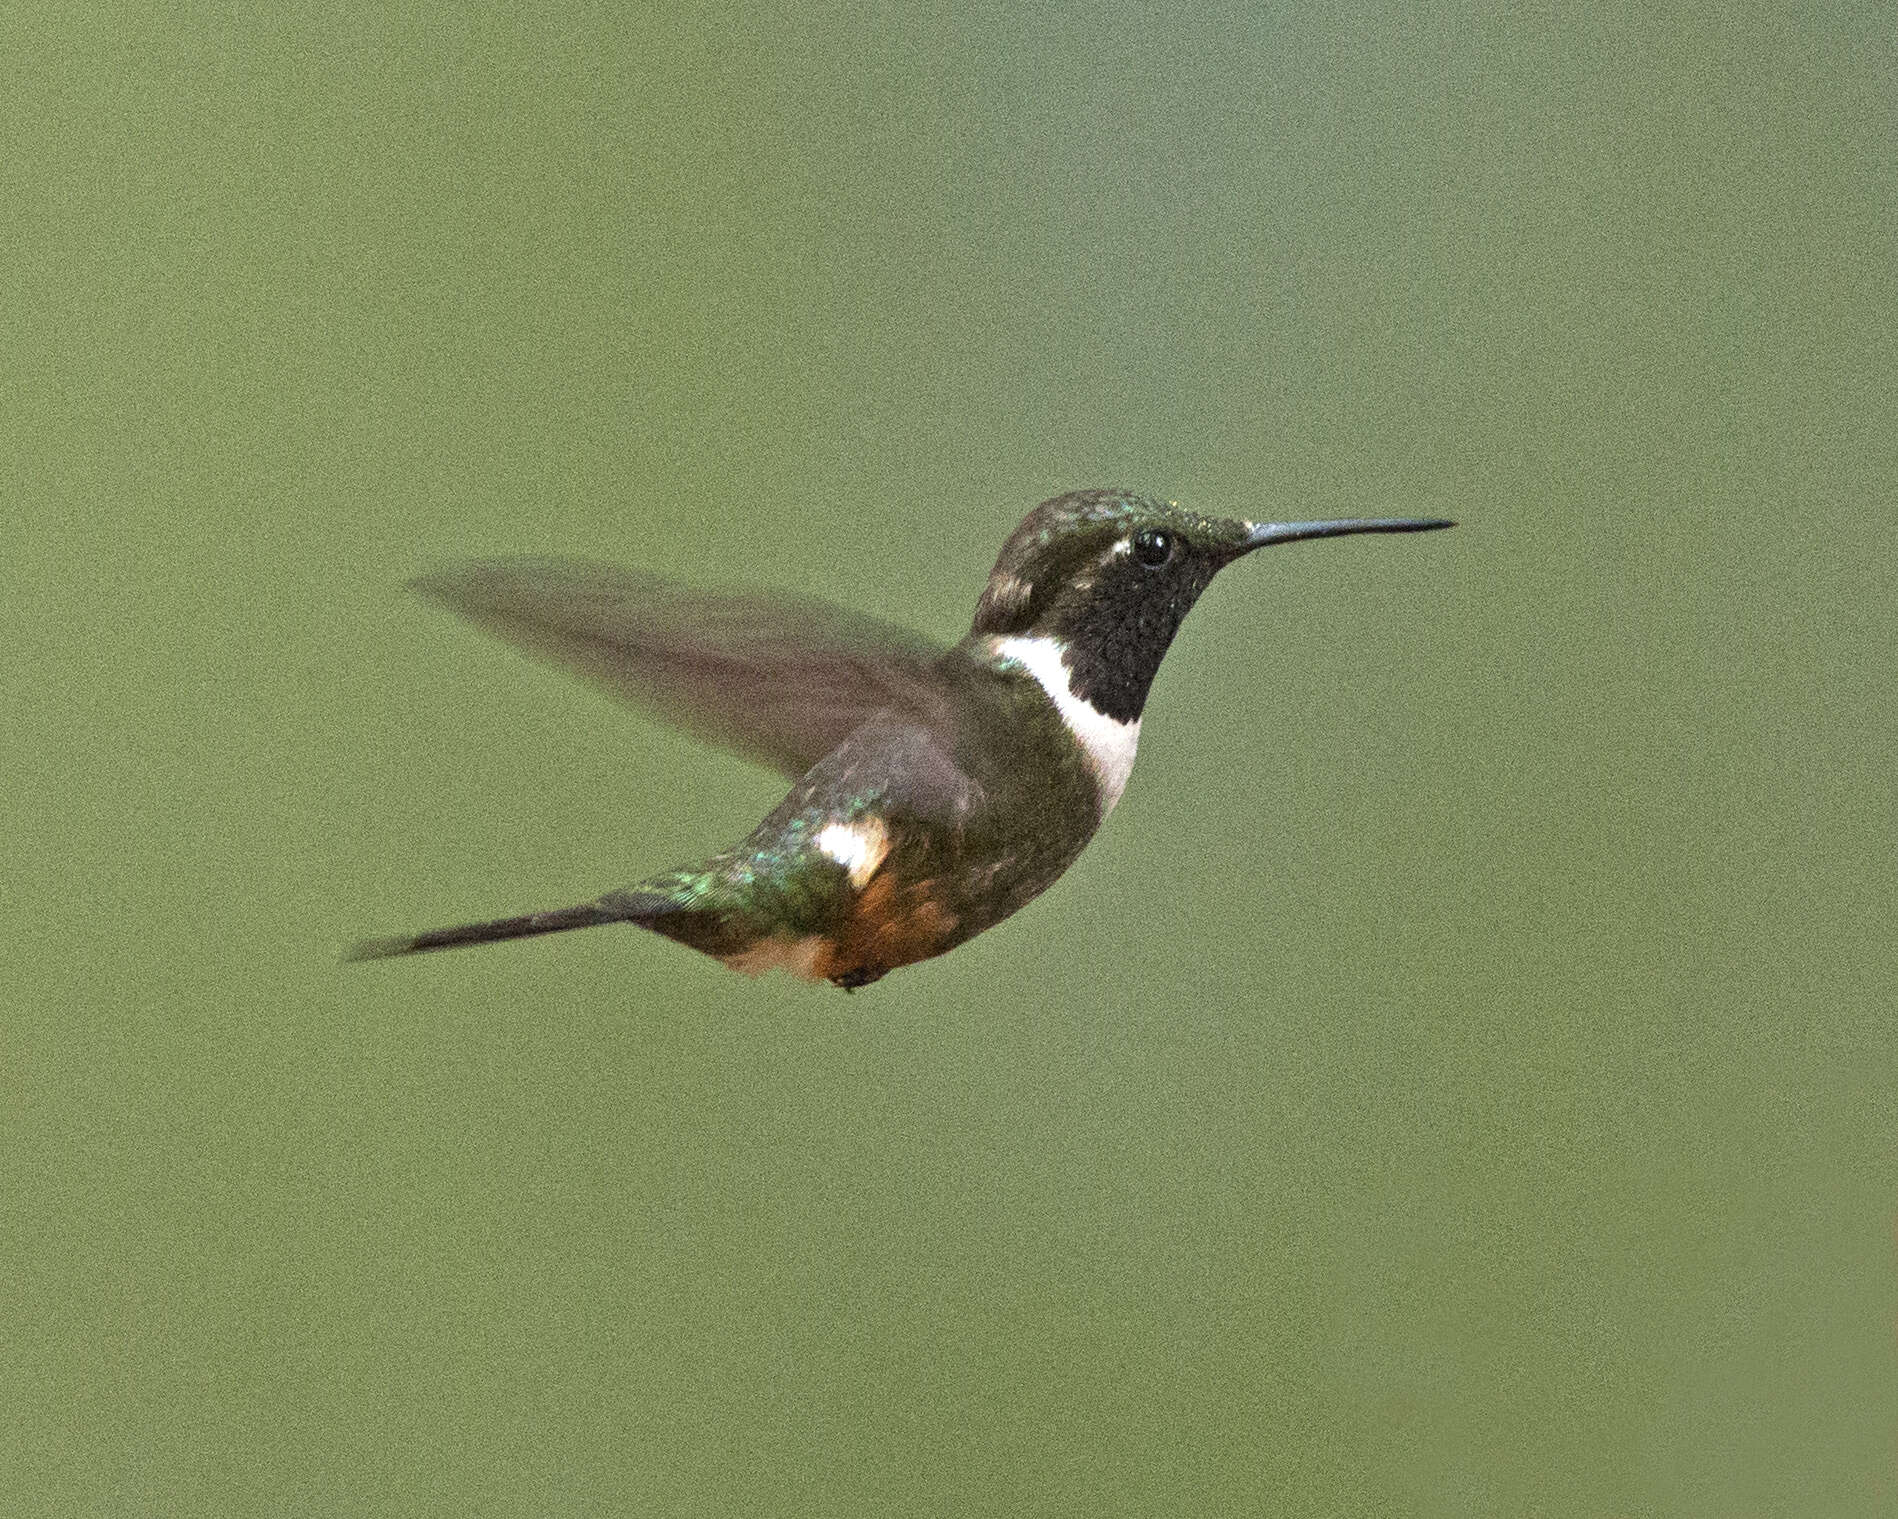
(1153,547)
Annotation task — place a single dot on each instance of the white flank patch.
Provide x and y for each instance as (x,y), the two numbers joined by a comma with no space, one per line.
(797,956)
(859,847)
(1109,745)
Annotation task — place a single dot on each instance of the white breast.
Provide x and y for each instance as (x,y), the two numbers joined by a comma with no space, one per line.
(1108,744)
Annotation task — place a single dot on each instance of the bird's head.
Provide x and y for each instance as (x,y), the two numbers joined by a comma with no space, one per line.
(1107,577)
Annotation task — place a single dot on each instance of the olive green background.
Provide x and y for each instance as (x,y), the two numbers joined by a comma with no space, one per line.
(1459,1080)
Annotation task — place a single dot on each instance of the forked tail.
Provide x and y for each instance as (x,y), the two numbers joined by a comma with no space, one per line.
(620,907)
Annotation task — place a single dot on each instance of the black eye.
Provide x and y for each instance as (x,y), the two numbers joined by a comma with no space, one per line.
(1153,547)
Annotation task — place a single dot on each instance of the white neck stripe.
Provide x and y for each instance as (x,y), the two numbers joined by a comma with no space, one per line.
(1108,744)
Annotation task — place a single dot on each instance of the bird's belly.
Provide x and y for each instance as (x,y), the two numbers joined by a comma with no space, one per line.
(891,921)
(799,957)
(885,925)
(909,911)
(847,893)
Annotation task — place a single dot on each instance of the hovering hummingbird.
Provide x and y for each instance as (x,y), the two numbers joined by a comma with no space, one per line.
(936,790)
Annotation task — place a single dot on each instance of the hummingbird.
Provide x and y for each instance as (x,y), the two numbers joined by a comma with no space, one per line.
(935,790)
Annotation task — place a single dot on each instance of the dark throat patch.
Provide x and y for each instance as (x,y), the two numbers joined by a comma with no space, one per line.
(1119,629)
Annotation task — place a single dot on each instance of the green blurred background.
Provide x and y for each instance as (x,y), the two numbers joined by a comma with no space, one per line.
(1460,1080)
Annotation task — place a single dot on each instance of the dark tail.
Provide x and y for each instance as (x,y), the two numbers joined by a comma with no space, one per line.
(620,907)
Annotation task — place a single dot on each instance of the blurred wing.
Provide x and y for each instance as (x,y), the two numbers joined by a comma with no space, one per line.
(779,680)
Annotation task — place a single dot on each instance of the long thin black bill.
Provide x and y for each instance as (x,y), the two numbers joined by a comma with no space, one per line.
(1264,533)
